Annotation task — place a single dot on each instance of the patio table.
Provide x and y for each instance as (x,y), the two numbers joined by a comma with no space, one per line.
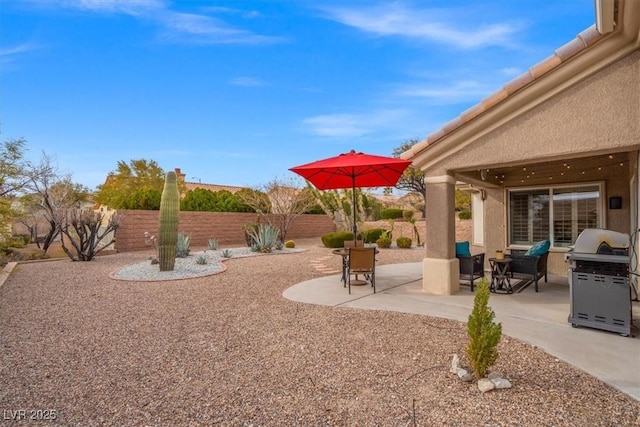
(500,275)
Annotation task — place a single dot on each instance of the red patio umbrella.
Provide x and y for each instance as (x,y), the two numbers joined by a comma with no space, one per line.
(353,170)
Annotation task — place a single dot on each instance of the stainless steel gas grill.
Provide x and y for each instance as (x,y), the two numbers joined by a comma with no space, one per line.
(600,292)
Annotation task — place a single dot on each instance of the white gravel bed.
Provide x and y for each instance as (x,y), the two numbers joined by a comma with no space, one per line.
(229,350)
(187,267)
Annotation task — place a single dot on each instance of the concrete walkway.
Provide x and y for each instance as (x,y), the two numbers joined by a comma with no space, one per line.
(539,318)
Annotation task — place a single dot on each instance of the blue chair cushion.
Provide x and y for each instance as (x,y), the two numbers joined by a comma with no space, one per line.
(539,248)
(462,249)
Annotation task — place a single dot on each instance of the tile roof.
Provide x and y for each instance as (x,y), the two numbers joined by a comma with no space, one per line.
(212,187)
(584,40)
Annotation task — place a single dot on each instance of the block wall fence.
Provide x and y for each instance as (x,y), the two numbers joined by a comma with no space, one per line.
(202,226)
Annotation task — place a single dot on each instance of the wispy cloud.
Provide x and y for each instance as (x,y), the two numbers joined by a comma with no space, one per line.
(511,71)
(247,82)
(16,50)
(431,25)
(9,55)
(129,7)
(452,93)
(352,125)
(181,27)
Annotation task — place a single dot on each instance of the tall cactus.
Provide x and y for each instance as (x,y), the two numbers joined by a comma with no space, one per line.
(169,212)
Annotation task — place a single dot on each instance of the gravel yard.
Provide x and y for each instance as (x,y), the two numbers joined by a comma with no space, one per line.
(229,350)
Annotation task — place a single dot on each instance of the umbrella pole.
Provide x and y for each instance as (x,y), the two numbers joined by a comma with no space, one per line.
(353,208)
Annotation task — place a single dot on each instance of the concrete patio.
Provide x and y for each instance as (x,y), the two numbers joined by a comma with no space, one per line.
(539,319)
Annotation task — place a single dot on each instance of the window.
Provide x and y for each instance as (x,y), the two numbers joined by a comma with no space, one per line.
(557,213)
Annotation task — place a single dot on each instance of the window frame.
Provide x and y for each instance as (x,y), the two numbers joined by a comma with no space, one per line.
(602,220)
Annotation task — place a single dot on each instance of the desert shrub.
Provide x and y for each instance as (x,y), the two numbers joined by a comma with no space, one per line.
(201,260)
(370,236)
(336,239)
(403,242)
(384,241)
(290,244)
(484,333)
(407,215)
(464,214)
(391,213)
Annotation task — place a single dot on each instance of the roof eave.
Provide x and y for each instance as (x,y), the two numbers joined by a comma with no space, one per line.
(584,56)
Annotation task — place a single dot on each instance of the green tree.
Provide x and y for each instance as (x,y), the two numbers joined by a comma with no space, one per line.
(132,186)
(15,171)
(412,179)
(15,175)
(463,200)
(204,200)
(143,199)
(199,200)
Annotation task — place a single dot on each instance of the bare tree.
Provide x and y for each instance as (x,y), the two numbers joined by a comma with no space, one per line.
(283,200)
(50,195)
(84,230)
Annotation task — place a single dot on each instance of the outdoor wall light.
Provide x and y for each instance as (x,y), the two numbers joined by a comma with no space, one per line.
(615,202)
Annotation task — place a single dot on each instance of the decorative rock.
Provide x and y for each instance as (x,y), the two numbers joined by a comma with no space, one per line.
(464,375)
(494,375)
(455,364)
(501,383)
(485,384)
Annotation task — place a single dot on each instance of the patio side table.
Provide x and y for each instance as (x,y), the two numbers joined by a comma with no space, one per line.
(500,276)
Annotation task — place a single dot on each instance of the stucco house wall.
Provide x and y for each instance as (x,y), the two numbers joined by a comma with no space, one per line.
(598,115)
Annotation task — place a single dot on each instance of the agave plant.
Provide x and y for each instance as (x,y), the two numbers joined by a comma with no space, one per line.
(182,245)
(264,237)
(213,244)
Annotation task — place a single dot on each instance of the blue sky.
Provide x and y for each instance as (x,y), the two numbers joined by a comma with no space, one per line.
(237,92)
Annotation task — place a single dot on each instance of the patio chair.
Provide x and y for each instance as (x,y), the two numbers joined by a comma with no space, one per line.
(362,261)
(471,266)
(530,265)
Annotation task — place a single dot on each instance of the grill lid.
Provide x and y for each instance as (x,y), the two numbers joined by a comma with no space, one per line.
(603,242)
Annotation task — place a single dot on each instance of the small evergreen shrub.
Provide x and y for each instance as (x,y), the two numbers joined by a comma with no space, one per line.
(407,215)
(370,236)
(290,244)
(391,213)
(336,239)
(484,333)
(404,242)
(384,241)
(464,214)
